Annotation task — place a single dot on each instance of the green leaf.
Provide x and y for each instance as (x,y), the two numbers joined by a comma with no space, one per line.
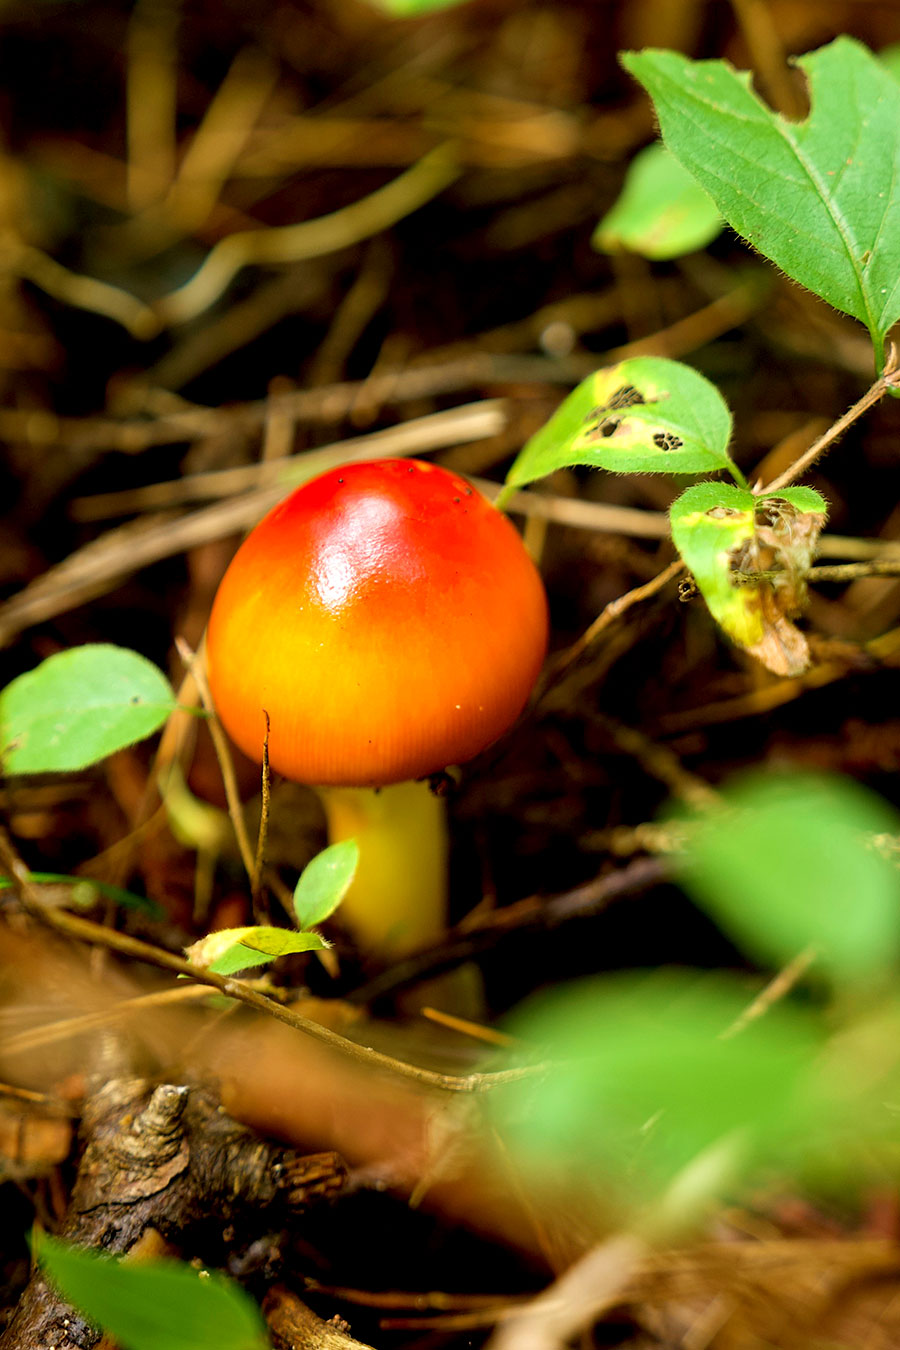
(406,8)
(749,556)
(231,949)
(820,197)
(85,891)
(324,882)
(789,863)
(641,1080)
(283,941)
(644,415)
(890,58)
(801,498)
(78,707)
(710,523)
(154,1305)
(662,211)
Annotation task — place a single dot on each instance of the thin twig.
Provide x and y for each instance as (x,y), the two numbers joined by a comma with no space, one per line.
(757,23)
(434,431)
(73,926)
(613,611)
(414,187)
(329,404)
(887,567)
(590,1287)
(88,293)
(261,837)
(194,663)
(872,396)
(211,153)
(877,653)
(478,934)
(104,563)
(37,1038)
(777,988)
(151,100)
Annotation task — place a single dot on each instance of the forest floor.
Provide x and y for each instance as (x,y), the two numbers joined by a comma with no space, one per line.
(135,139)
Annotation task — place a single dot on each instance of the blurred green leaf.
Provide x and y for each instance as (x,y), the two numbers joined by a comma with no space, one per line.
(662,211)
(819,197)
(159,1305)
(324,882)
(86,891)
(890,58)
(641,1080)
(79,706)
(402,9)
(644,415)
(789,863)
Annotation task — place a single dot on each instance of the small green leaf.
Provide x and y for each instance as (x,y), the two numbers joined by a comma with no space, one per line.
(662,211)
(78,707)
(710,523)
(819,197)
(283,942)
(644,415)
(750,556)
(231,949)
(801,498)
(324,882)
(789,863)
(154,1305)
(641,1080)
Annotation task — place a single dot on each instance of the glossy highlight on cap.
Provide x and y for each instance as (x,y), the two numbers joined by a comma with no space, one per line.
(386,617)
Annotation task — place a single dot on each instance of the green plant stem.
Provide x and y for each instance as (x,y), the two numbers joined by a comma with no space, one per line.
(737,475)
(397,901)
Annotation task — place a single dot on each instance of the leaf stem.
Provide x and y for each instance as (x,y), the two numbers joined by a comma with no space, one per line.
(872,396)
(737,475)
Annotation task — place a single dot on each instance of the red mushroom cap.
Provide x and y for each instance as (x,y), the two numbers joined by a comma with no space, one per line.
(386,617)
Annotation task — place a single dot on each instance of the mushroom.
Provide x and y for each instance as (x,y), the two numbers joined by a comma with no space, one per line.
(389,622)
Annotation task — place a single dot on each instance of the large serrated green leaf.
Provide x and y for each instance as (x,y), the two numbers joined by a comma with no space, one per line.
(662,211)
(644,415)
(820,197)
(78,707)
(158,1305)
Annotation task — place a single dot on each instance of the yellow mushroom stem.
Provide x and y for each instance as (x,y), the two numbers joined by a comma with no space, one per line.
(398,898)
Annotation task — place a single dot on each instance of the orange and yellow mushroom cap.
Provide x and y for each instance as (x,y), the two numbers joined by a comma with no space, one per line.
(388,620)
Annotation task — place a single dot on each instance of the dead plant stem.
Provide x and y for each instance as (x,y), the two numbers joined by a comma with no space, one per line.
(872,396)
(194,663)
